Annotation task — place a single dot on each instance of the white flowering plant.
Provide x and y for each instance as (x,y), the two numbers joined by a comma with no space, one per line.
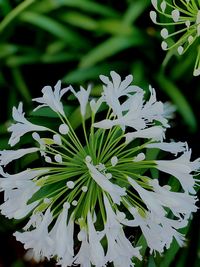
(181,27)
(93,187)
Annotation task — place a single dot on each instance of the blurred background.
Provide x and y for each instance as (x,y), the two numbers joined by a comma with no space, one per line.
(42,41)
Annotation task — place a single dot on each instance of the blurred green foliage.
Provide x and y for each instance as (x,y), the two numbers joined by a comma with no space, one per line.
(42,41)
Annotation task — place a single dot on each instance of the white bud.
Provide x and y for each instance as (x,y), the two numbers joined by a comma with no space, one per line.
(114,161)
(88,159)
(164,33)
(84,188)
(48,159)
(153,16)
(196,72)
(36,136)
(58,158)
(57,139)
(180,50)
(139,157)
(190,39)
(63,129)
(187,23)
(154,3)
(70,184)
(74,203)
(164,45)
(175,15)
(163,6)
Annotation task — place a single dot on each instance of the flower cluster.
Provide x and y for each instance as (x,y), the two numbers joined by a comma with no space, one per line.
(95,181)
(184,17)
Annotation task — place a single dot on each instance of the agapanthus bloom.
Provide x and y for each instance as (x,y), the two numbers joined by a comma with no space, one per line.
(95,180)
(184,18)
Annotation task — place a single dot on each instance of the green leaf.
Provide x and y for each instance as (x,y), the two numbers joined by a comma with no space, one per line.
(111,47)
(115,26)
(135,10)
(14,13)
(52,26)
(90,6)
(7,49)
(90,73)
(21,85)
(179,100)
(79,20)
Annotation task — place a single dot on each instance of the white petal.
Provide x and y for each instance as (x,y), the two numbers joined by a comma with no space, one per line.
(7,156)
(114,190)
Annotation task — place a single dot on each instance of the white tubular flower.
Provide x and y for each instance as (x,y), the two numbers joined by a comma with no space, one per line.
(83,256)
(149,198)
(97,255)
(156,133)
(38,239)
(115,191)
(113,90)
(158,231)
(7,156)
(83,97)
(120,249)
(185,17)
(11,181)
(22,126)
(181,204)
(95,104)
(62,235)
(95,182)
(181,168)
(173,147)
(15,205)
(52,98)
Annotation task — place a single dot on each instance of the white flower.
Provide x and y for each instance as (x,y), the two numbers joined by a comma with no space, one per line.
(136,114)
(97,255)
(15,200)
(154,110)
(7,156)
(38,239)
(18,180)
(22,126)
(82,96)
(95,183)
(83,256)
(173,147)
(62,234)
(113,90)
(149,198)
(158,231)
(156,133)
(52,98)
(181,204)
(115,191)
(120,250)
(95,105)
(181,168)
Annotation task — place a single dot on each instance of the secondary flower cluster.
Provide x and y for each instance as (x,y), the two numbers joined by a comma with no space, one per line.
(184,17)
(95,181)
